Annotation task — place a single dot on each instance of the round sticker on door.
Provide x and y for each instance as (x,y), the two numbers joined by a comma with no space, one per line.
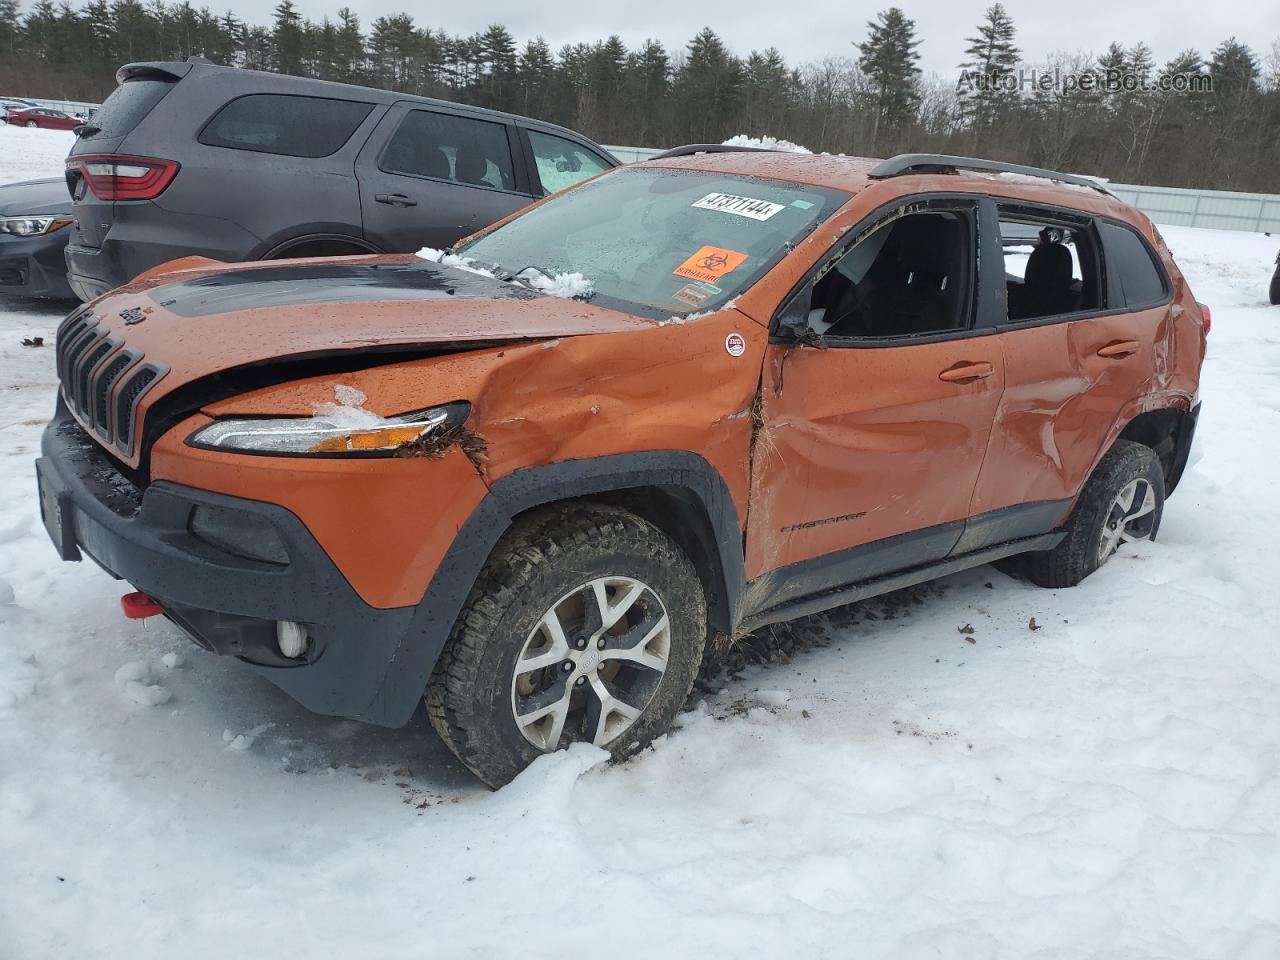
(735,344)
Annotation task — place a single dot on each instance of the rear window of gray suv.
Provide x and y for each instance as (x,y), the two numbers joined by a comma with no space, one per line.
(287,125)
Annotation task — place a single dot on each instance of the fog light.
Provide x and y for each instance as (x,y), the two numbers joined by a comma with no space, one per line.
(292,638)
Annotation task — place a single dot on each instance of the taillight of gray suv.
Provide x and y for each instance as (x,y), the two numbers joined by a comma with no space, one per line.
(192,158)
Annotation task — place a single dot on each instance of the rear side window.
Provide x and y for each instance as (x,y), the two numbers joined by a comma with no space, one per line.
(286,125)
(447,147)
(1050,266)
(562,163)
(1133,278)
(126,107)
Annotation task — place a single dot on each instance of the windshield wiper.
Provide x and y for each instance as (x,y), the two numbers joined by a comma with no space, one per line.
(510,275)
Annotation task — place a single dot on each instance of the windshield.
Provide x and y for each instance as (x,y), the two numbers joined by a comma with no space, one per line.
(658,242)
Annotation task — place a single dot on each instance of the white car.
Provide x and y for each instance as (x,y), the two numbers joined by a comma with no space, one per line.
(12,104)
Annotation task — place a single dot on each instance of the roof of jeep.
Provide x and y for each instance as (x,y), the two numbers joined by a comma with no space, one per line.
(853,174)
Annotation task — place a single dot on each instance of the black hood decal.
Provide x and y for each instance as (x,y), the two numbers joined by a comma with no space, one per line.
(282,285)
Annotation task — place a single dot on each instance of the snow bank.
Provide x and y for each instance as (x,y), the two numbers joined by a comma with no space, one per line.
(766,143)
(27,154)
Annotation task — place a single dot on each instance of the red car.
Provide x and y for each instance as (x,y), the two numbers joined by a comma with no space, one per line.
(43,117)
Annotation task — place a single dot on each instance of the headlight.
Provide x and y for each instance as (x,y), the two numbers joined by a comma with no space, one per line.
(325,435)
(32,226)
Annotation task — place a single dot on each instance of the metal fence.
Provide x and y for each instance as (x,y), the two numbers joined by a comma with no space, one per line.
(1218,209)
(73,107)
(634,154)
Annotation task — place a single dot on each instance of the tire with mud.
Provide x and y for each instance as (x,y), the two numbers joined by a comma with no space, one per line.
(1122,500)
(586,624)
(1274,292)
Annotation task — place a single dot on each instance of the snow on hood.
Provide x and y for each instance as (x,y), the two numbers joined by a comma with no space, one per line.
(568,286)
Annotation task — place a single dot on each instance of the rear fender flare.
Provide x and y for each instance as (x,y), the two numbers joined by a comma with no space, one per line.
(1135,409)
(410,667)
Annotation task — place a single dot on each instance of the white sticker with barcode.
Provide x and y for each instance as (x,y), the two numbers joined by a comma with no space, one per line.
(739,206)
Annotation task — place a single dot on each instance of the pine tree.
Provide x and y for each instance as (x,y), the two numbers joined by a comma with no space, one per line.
(993,58)
(10,27)
(349,56)
(497,49)
(535,75)
(889,59)
(709,87)
(646,86)
(393,48)
(287,38)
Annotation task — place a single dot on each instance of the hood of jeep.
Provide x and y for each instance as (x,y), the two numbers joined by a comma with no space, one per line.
(204,321)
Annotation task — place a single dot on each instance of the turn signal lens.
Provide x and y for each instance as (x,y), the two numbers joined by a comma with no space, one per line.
(379,438)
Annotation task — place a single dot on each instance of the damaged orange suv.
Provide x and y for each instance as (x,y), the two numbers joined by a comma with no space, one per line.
(529,478)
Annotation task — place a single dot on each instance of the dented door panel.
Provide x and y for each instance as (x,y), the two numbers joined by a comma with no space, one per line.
(862,444)
(1070,386)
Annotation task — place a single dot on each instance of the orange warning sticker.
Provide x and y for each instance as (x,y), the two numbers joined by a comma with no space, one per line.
(710,264)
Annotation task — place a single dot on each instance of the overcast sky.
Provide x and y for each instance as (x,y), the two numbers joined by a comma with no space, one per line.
(821,28)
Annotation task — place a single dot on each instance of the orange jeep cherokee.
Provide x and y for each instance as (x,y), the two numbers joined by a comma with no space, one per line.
(771,384)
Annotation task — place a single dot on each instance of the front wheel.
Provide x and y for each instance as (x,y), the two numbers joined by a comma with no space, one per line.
(1122,501)
(586,625)
(1275,286)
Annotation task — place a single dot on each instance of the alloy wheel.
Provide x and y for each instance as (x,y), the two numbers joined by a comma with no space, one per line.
(591,664)
(1131,517)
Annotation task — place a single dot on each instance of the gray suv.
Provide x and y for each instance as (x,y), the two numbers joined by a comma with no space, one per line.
(192,158)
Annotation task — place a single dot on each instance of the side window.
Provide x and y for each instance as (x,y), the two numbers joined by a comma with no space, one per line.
(1133,278)
(562,163)
(447,147)
(910,275)
(285,125)
(1050,267)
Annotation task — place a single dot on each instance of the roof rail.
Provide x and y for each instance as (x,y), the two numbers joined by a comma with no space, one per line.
(908,163)
(689,149)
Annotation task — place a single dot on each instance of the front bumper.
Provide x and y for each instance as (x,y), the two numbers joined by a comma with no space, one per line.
(226,603)
(34,266)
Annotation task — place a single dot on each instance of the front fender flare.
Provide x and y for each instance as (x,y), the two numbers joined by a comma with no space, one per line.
(410,667)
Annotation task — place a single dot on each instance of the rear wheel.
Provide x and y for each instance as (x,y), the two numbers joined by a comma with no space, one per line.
(1122,501)
(32,124)
(587,625)
(1275,286)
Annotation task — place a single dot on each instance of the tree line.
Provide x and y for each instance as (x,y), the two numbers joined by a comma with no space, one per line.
(1220,129)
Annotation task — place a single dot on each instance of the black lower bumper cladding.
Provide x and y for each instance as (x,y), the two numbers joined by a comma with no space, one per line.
(227,603)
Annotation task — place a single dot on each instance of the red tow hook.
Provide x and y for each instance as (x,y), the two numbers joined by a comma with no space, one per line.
(138,606)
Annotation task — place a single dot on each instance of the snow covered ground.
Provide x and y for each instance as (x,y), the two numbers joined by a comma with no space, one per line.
(27,154)
(1107,785)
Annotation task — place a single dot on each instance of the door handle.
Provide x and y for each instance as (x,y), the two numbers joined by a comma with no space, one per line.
(967,372)
(1118,349)
(395,199)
